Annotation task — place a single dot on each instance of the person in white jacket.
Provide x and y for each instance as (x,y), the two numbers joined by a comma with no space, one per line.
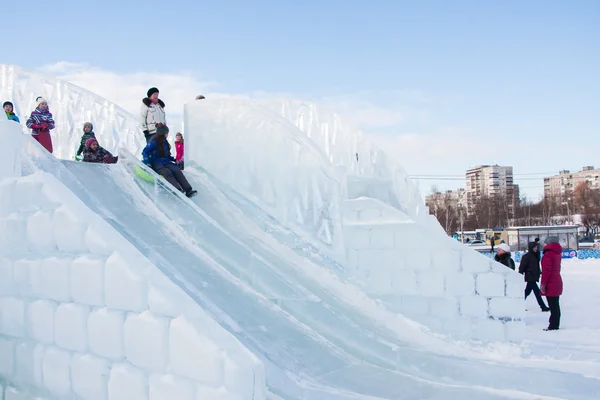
(152,115)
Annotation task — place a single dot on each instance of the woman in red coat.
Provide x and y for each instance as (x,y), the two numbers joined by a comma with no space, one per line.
(552,284)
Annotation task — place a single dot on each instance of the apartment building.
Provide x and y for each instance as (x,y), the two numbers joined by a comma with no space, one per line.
(560,187)
(453,198)
(489,181)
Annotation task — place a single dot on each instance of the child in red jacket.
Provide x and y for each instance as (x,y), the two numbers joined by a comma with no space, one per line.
(179,150)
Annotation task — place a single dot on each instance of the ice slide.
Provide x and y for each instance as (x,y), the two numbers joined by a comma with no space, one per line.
(429,359)
(314,344)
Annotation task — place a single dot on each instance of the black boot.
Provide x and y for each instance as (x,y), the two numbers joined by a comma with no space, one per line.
(191,192)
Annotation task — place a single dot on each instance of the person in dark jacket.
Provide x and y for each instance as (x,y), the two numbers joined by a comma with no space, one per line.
(9,111)
(552,283)
(503,256)
(157,155)
(94,153)
(88,132)
(530,269)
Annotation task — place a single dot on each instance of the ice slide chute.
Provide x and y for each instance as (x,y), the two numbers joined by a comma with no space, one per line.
(304,356)
(426,356)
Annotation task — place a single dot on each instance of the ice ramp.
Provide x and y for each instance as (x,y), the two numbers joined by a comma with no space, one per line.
(299,362)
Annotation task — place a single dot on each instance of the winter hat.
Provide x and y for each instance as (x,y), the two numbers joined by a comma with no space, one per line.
(39,100)
(504,247)
(551,239)
(200,97)
(90,125)
(90,141)
(151,91)
(162,129)
(7,103)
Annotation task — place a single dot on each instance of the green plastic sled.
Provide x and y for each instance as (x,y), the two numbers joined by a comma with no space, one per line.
(139,171)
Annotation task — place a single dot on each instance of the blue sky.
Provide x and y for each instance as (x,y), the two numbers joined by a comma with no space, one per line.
(443,84)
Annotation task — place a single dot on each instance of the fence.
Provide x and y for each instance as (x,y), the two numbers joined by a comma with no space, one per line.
(582,254)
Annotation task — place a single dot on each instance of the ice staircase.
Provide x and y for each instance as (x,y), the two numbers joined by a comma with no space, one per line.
(263,266)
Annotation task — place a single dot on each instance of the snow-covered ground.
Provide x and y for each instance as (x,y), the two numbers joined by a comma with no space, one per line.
(578,339)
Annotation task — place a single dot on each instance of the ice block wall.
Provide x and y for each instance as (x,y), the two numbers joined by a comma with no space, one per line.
(84,315)
(10,161)
(431,278)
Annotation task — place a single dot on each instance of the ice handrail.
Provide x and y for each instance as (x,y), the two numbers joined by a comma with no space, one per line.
(275,165)
(71,106)
(344,143)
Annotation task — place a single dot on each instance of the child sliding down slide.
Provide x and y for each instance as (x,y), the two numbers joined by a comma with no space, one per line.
(157,155)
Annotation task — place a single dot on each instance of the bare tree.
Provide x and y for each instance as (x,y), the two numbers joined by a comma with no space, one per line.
(587,202)
(443,206)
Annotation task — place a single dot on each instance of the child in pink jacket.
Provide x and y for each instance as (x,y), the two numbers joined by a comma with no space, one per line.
(179,150)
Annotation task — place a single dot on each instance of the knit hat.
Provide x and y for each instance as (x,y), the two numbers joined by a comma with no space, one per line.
(7,103)
(151,91)
(89,142)
(200,97)
(162,129)
(551,239)
(39,100)
(504,247)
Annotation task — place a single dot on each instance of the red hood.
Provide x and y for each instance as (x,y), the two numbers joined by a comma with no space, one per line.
(555,247)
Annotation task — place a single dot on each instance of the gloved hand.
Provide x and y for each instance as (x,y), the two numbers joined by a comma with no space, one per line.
(146,132)
(44,126)
(78,158)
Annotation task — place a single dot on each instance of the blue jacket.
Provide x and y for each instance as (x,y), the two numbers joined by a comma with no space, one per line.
(151,157)
(13,117)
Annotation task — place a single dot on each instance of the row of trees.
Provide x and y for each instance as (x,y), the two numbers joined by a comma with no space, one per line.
(498,211)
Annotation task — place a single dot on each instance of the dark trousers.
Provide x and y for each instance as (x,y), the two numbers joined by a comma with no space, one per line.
(533,287)
(554,320)
(148,137)
(173,175)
